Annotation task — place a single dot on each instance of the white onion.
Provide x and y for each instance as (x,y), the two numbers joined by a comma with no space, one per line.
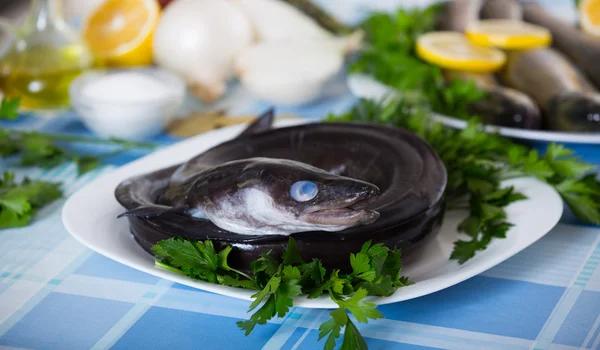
(199,40)
(278,20)
(288,71)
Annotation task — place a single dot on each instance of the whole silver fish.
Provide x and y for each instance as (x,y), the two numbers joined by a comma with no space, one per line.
(582,48)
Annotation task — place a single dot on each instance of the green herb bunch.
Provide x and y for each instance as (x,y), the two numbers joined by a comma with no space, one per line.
(20,201)
(390,57)
(47,150)
(477,162)
(376,271)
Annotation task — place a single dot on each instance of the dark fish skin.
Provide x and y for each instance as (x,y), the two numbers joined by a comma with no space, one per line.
(215,191)
(582,48)
(501,106)
(501,9)
(568,99)
(409,174)
(575,112)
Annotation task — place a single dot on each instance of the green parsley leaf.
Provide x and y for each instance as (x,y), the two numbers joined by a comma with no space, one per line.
(383,287)
(9,109)
(180,252)
(19,202)
(283,298)
(265,313)
(292,254)
(360,263)
(352,338)
(332,327)
(228,280)
(270,288)
(465,250)
(583,206)
(85,164)
(393,267)
(362,310)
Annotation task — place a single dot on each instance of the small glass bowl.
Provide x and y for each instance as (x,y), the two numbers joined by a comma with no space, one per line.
(134,120)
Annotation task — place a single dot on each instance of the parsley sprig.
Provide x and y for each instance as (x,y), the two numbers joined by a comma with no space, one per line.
(376,271)
(20,201)
(477,162)
(390,57)
(48,150)
(9,108)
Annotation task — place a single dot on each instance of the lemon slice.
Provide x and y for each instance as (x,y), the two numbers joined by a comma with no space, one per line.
(508,34)
(452,50)
(120,32)
(589,14)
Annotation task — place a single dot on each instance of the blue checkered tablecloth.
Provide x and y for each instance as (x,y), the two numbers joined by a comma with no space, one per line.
(57,294)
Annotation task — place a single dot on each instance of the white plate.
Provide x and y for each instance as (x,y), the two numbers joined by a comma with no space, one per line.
(366,87)
(93,222)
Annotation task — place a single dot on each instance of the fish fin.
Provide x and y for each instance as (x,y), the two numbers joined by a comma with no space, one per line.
(151,211)
(261,124)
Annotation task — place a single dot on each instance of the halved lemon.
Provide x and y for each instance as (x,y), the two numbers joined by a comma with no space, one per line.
(452,50)
(508,34)
(589,13)
(120,32)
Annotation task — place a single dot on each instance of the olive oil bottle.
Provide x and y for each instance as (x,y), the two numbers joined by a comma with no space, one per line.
(44,57)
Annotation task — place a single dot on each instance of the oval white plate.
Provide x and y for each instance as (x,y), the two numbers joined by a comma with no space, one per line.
(366,87)
(94,224)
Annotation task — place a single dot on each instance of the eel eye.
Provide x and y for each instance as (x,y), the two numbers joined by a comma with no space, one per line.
(303,191)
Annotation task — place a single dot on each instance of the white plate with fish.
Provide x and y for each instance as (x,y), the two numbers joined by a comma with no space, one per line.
(94,223)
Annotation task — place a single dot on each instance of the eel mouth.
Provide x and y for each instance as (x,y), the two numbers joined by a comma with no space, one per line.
(344,212)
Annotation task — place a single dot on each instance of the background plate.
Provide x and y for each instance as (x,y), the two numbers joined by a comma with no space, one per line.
(90,217)
(364,86)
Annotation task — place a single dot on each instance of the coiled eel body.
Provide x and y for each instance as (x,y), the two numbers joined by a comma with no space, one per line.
(408,174)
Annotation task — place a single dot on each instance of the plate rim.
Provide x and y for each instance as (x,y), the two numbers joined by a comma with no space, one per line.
(356,79)
(323,302)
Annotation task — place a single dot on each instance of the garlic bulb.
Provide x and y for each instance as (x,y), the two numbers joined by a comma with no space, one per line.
(288,71)
(199,40)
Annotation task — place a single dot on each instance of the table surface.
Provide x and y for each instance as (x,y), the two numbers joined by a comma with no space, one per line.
(57,294)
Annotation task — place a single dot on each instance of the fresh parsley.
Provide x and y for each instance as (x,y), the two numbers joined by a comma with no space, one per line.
(376,271)
(9,109)
(20,201)
(477,162)
(48,150)
(390,57)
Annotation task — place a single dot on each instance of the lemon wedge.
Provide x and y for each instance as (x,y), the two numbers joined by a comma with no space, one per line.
(119,32)
(589,14)
(508,34)
(452,50)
